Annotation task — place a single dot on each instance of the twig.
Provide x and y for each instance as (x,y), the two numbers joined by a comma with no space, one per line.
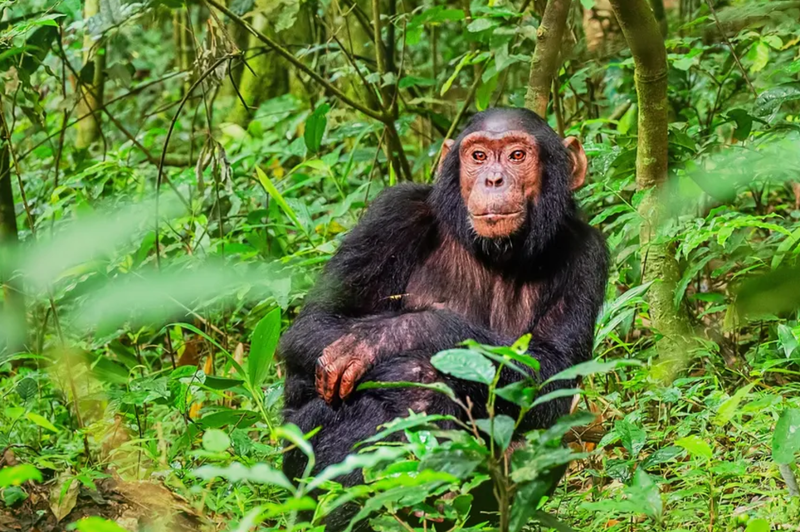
(160,175)
(733,50)
(283,52)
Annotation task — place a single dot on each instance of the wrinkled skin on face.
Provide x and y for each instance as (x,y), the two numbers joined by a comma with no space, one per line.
(501,172)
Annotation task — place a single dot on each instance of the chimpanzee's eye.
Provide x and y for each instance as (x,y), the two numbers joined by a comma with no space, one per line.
(479,155)
(517,156)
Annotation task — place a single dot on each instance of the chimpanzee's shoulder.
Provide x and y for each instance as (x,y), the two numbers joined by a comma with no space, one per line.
(400,206)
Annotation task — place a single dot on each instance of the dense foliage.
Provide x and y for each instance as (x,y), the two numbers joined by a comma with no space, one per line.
(157,235)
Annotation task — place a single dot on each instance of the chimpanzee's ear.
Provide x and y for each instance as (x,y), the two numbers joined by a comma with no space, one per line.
(446,145)
(579,162)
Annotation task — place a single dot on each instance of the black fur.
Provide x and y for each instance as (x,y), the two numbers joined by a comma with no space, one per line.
(557,256)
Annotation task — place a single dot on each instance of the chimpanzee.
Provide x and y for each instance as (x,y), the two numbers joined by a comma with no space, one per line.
(493,250)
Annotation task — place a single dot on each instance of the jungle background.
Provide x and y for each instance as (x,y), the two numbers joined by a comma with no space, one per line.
(173,175)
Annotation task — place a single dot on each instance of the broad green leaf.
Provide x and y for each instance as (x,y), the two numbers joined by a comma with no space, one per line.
(500,429)
(26,389)
(526,502)
(356,461)
(758,525)
(644,494)
(410,422)
(294,435)
(464,364)
(262,347)
(520,393)
(234,417)
(18,475)
(96,524)
(216,441)
(632,436)
(457,462)
(787,339)
(727,409)
(315,127)
(236,472)
(696,447)
(41,421)
(786,438)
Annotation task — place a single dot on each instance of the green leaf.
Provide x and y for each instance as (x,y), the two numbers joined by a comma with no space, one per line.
(526,501)
(460,463)
(786,438)
(769,101)
(278,197)
(216,441)
(644,494)
(236,472)
(556,394)
(696,447)
(26,389)
(262,347)
(727,409)
(402,424)
(435,386)
(356,461)
(96,524)
(18,475)
(550,521)
(591,367)
(41,421)
(234,417)
(481,24)
(787,339)
(465,364)
(501,430)
(632,437)
(461,64)
(520,393)
(315,127)
(758,525)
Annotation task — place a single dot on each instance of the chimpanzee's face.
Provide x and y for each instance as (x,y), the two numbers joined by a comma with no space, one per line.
(500,174)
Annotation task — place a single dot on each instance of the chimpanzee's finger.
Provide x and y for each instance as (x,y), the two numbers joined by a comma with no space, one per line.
(350,377)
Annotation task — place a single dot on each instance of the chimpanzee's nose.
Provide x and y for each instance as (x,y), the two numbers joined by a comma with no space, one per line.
(494,180)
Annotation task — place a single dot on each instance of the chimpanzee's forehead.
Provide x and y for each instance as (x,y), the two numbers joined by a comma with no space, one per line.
(500,123)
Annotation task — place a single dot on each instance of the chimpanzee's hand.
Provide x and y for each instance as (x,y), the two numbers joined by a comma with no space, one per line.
(341,366)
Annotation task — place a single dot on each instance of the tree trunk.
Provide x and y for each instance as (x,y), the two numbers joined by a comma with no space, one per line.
(271,78)
(641,31)
(661,16)
(545,61)
(91,91)
(12,307)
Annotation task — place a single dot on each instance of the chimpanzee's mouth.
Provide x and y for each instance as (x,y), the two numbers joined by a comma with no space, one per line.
(496,216)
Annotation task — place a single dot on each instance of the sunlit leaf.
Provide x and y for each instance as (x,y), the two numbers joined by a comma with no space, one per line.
(464,364)
(263,342)
(696,447)
(786,438)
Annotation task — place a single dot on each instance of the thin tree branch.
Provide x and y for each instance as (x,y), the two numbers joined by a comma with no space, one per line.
(283,52)
(730,45)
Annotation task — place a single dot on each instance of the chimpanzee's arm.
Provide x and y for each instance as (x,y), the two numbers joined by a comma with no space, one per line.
(362,284)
